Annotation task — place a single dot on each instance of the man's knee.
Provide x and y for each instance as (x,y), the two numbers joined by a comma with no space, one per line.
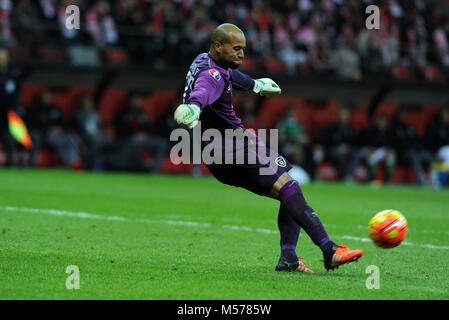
(279,184)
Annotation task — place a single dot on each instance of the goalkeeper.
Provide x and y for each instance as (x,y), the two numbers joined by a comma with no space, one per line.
(208,98)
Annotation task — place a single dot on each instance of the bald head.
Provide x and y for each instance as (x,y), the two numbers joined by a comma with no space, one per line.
(227,45)
(224,32)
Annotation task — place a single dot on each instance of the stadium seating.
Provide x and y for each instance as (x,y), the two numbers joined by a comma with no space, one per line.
(273,108)
(68,100)
(248,65)
(30,92)
(157,102)
(116,56)
(359,118)
(274,65)
(51,54)
(111,100)
(321,115)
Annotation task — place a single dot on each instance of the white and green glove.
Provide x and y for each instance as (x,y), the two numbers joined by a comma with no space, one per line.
(187,114)
(266,87)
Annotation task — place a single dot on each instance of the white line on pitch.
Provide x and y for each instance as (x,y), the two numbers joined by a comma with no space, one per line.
(86,215)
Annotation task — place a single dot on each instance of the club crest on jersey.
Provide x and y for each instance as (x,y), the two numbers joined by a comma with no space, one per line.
(280,161)
(215,74)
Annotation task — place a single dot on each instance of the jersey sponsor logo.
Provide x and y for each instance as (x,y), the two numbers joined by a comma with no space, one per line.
(215,74)
(280,161)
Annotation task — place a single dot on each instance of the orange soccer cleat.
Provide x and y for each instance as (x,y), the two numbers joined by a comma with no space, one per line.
(342,255)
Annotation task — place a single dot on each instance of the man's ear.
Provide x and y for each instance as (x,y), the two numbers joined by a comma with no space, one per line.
(217,46)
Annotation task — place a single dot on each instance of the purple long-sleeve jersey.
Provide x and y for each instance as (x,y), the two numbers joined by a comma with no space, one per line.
(210,87)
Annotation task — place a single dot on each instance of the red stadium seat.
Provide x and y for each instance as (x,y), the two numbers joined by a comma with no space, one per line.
(388,109)
(274,108)
(327,171)
(51,54)
(30,92)
(111,101)
(359,117)
(414,117)
(403,174)
(48,158)
(62,100)
(433,74)
(67,100)
(274,65)
(429,112)
(248,64)
(323,115)
(116,56)
(156,103)
(401,72)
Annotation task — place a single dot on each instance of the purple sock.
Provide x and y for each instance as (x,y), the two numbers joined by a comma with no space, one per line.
(289,230)
(293,201)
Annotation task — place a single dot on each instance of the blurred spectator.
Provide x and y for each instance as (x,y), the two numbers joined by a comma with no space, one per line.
(284,47)
(136,135)
(99,148)
(6,33)
(48,8)
(440,38)
(47,124)
(347,61)
(408,146)
(9,96)
(294,141)
(375,142)
(338,140)
(25,18)
(101,25)
(437,132)
(437,139)
(321,55)
(413,36)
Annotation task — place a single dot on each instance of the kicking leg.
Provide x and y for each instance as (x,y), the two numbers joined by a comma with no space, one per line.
(293,202)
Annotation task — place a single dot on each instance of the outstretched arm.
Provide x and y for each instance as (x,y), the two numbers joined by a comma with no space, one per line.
(241,81)
(263,86)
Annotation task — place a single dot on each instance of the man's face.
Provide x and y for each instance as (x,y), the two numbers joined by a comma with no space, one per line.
(231,53)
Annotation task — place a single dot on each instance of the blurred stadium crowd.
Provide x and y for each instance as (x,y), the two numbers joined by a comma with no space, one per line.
(128,131)
(322,37)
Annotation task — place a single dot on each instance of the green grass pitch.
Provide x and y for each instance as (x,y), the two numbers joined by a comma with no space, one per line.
(175,237)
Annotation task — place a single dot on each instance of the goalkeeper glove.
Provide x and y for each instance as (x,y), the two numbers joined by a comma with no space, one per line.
(266,87)
(187,114)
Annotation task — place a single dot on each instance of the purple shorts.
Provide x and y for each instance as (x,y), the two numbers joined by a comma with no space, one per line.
(257,178)
(253,165)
